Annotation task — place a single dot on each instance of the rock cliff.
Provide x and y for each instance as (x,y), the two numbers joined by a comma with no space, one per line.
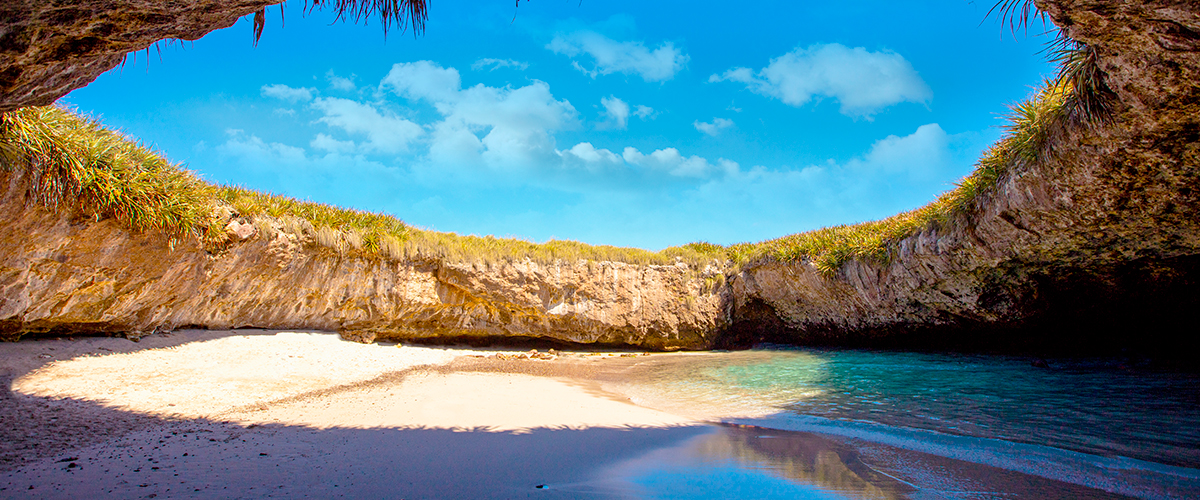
(60,275)
(1097,240)
(51,47)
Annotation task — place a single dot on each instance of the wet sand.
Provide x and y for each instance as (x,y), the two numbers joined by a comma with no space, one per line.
(238,414)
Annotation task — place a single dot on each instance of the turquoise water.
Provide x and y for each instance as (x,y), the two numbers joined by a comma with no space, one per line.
(1105,424)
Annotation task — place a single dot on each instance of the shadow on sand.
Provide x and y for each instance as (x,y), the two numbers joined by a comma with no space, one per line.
(71,448)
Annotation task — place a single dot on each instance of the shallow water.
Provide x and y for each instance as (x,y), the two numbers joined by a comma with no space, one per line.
(1097,423)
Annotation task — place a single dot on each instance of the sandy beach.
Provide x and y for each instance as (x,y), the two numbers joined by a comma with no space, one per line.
(219,406)
(247,413)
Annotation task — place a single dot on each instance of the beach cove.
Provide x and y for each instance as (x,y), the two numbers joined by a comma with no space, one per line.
(228,414)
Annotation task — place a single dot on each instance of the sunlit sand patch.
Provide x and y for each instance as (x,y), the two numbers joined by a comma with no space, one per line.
(318,380)
(466,401)
(211,377)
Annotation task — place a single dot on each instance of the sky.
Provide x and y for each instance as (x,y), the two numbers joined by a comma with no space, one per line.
(629,123)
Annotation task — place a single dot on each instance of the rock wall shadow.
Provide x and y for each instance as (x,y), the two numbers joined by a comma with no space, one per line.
(74,449)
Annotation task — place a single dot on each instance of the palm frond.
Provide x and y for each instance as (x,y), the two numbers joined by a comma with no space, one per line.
(1090,98)
(1018,14)
(392,14)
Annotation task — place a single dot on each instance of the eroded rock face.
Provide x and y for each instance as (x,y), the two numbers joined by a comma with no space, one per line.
(1101,235)
(59,275)
(51,47)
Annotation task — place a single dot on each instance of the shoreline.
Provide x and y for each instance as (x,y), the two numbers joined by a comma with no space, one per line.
(229,413)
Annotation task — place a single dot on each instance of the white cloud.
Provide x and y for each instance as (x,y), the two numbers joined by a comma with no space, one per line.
(517,124)
(489,135)
(611,56)
(286,93)
(714,128)
(332,177)
(326,143)
(249,146)
(671,161)
(587,156)
(863,82)
(385,133)
(424,80)
(919,155)
(729,208)
(339,82)
(496,64)
(617,112)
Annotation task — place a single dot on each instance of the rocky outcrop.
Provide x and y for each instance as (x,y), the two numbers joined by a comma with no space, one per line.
(1099,238)
(60,275)
(51,47)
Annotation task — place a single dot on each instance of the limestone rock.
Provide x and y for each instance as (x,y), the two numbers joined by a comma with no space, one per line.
(360,336)
(60,275)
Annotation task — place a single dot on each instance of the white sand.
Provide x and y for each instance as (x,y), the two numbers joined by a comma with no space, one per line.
(492,401)
(321,381)
(237,414)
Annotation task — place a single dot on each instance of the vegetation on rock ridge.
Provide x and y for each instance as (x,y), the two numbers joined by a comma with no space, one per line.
(76,164)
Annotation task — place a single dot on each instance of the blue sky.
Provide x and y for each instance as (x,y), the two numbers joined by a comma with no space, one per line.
(629,123)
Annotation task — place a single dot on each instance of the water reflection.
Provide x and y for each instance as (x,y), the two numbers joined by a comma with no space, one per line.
(1090,406)
(747,462)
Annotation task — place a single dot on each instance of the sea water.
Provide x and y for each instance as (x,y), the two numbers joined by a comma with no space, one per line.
(1109,426)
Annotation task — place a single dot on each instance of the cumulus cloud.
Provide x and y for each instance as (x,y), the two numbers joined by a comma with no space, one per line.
(331,176)
(519,122)
(424,80)
(921,154)
(610,56)
(488,135)
(617,112)
(495,64)
(286,93)
(671,161)
(385,133)
(246,145)
(713,128)
(587,156)
(324,142)
(340,82)
(863,82)
(896,173)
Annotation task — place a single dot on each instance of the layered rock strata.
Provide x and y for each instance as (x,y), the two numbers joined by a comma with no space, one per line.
(60,275)
(1098,238)
(51,47)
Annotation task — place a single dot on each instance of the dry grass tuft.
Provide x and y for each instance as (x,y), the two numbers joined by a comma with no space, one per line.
(79,166)
(1031,131)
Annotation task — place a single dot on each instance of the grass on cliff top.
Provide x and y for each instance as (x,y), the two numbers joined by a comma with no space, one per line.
(1028,132)
(76,165)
